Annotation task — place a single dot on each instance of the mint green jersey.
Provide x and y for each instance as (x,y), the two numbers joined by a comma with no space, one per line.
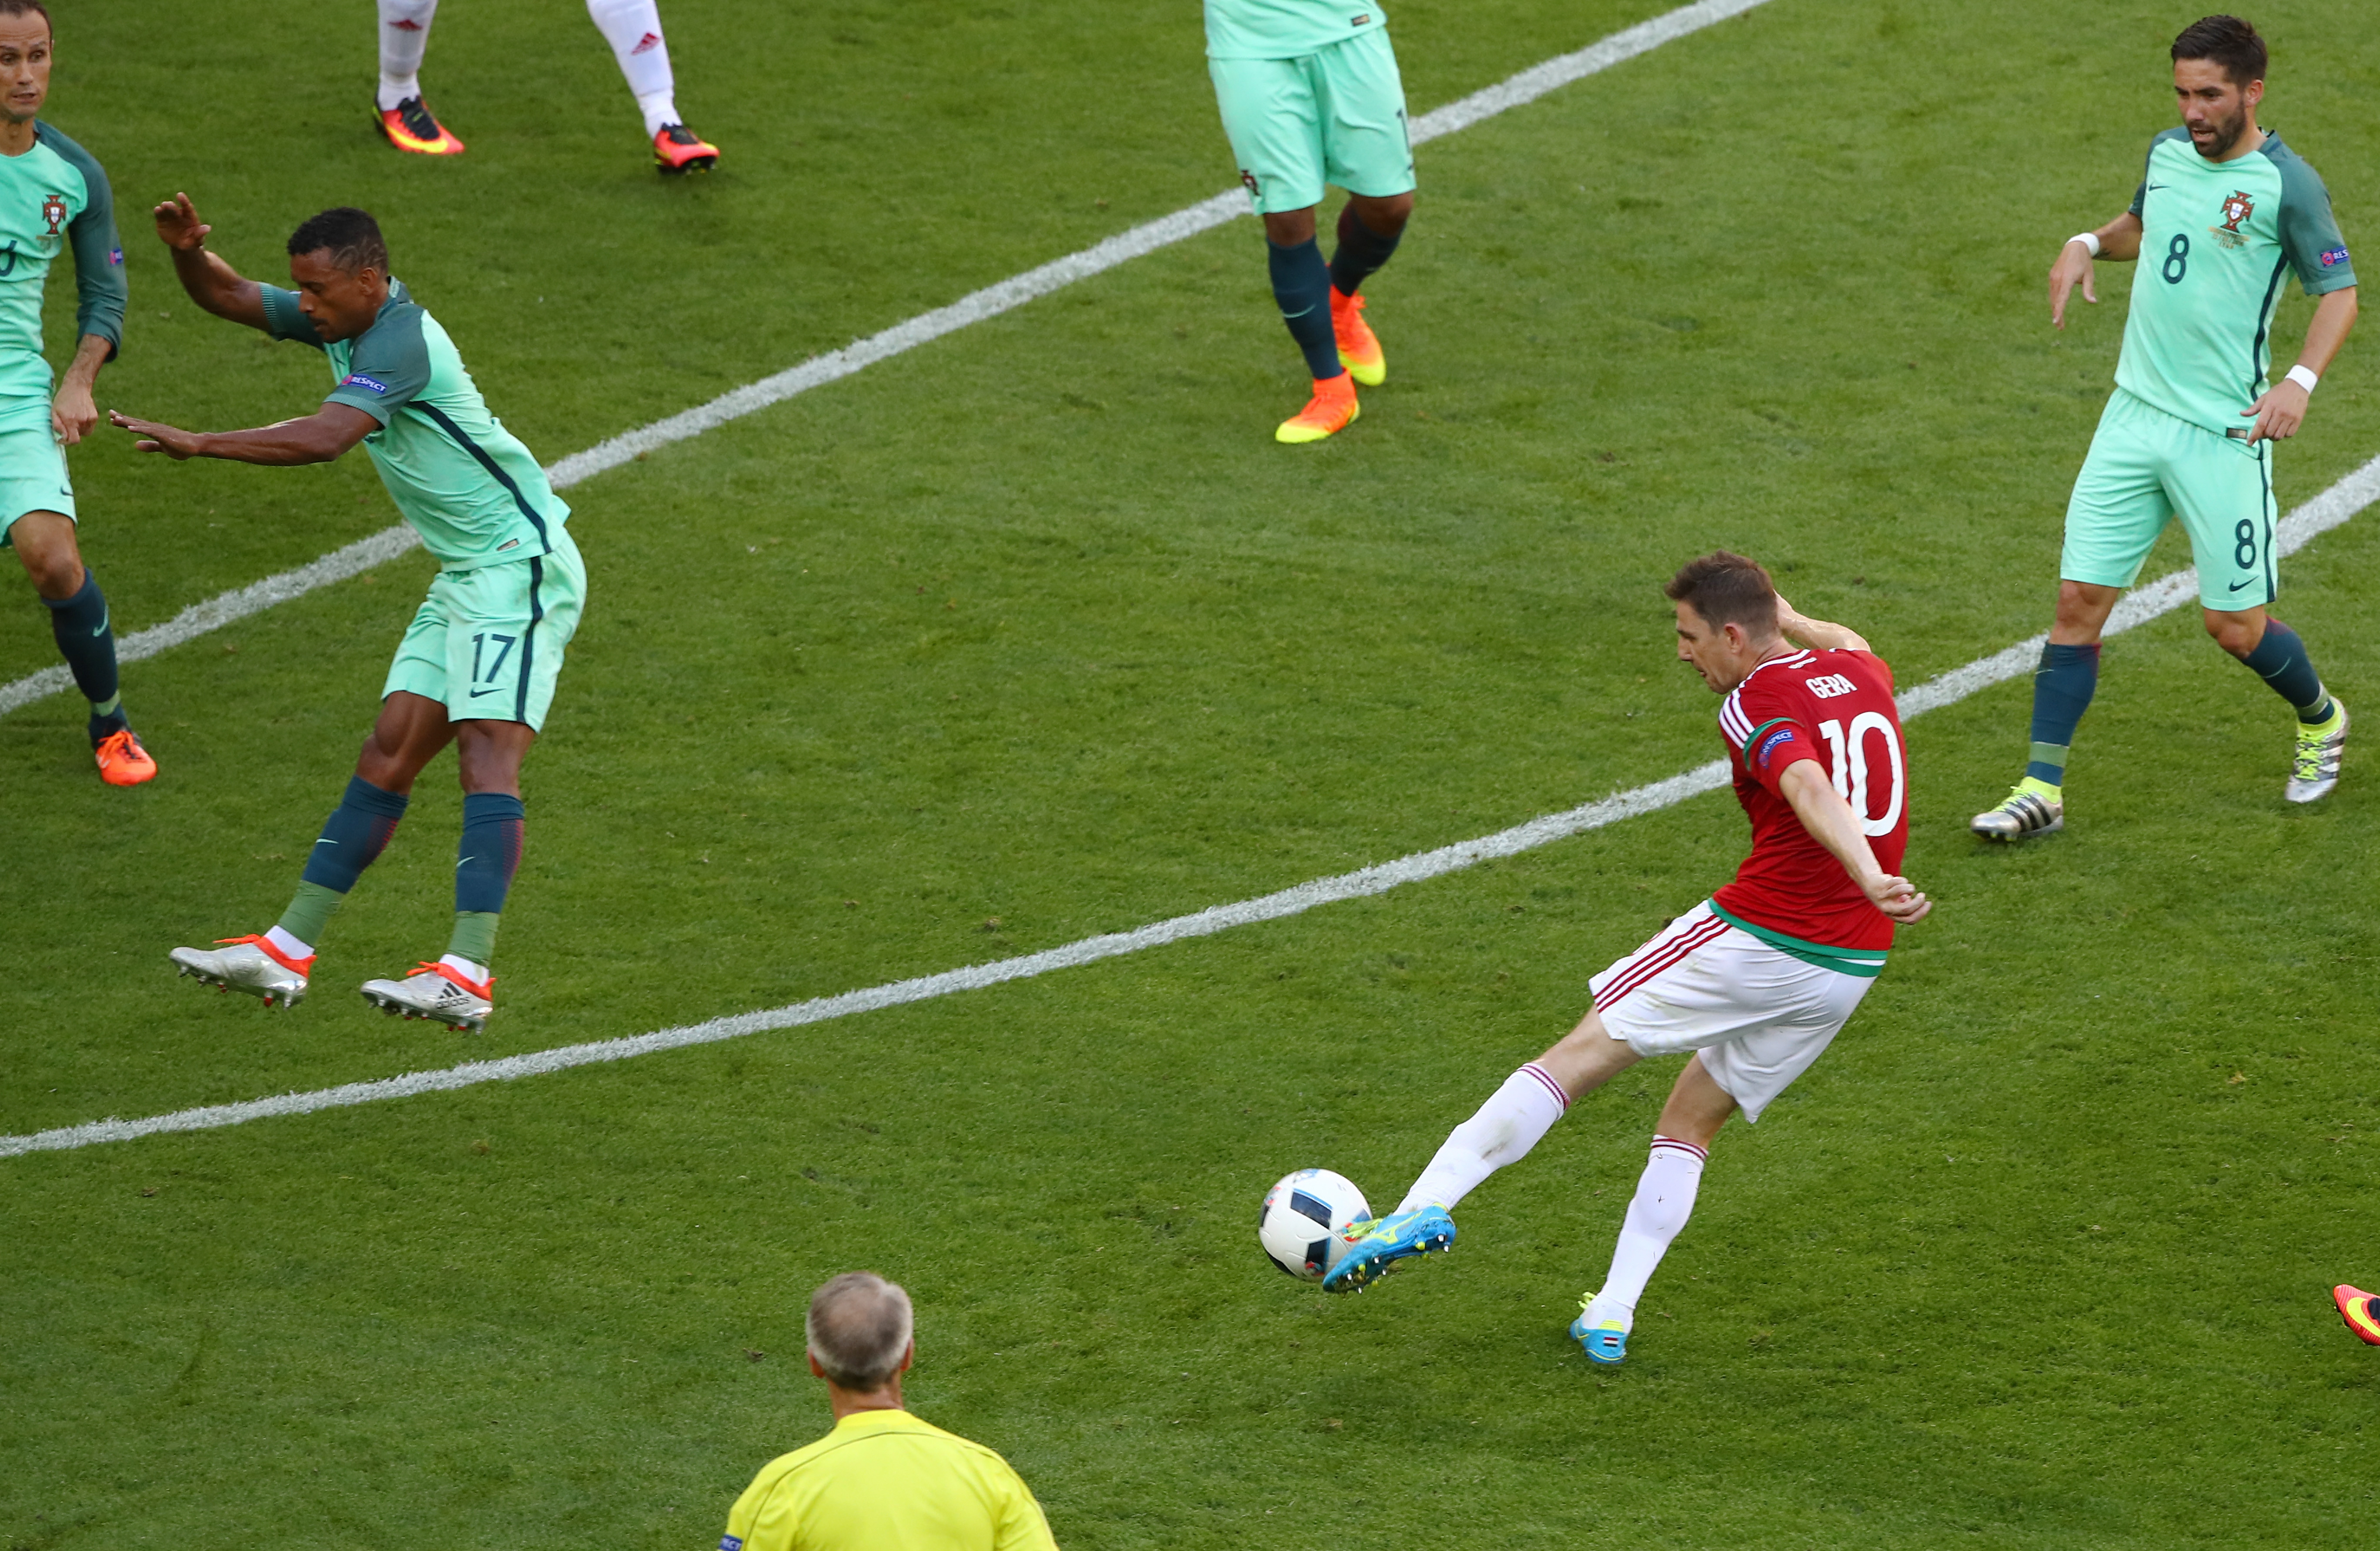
(2219,239)
(468,486)
(52,197)
(1285,28)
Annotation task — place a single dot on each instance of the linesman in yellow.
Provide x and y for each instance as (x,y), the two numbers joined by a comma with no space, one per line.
(882,1480)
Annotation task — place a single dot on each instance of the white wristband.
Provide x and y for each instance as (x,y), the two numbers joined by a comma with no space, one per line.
(2088,239)
(2302,378)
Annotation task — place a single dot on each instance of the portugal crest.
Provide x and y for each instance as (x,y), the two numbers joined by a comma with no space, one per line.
(2236,207)
(54,209)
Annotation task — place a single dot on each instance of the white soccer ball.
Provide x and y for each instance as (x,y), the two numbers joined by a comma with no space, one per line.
(1303,1225)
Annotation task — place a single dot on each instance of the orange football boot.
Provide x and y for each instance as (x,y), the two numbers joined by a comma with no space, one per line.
(2358,1308)
(1359,347)
(679,150)
(409,126)
(1331,409)
(122,760)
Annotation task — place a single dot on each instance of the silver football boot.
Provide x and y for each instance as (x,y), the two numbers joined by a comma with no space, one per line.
(2020,815)
(2315,769)
(241,963)
(435,992)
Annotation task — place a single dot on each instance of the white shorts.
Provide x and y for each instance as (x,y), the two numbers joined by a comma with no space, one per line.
(1759,1015)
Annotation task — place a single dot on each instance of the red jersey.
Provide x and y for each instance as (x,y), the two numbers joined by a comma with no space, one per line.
(1835,709)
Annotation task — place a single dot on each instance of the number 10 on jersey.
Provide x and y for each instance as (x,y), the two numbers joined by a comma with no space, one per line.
(1848,751)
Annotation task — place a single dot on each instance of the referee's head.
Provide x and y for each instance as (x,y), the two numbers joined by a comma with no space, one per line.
(861,1333)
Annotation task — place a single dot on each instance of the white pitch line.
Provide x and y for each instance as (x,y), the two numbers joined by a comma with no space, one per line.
(990,302)
(2324,511)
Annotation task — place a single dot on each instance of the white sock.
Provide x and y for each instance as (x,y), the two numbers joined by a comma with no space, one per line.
(633,27)
(1503,1131)
(476,974)
(1665,1198)
(284,943)
(404,35)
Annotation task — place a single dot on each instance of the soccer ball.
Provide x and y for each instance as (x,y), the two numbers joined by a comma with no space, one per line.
(1303,1225)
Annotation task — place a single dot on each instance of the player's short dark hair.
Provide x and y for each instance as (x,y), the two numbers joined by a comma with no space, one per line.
(351,234)
(1728,590)
(858,1329)
(27,8)
(2227,41)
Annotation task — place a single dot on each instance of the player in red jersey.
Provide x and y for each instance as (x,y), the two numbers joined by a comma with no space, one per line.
(1755,981)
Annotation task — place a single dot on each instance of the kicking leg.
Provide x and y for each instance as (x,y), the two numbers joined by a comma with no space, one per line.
(1665,1197)
(409,732)
(2279,655)
(1514,1118)
(2062,686)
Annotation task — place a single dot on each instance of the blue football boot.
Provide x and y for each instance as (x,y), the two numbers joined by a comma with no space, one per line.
(1604,1342)
(1387,1241)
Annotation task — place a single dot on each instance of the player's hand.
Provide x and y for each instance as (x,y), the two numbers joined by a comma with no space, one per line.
(1897,898)
(156,438)
(179,225)
(2072,269)
(72,413)
(2278,413)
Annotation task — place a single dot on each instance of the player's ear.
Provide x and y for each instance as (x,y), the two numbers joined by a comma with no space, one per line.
(908,1357)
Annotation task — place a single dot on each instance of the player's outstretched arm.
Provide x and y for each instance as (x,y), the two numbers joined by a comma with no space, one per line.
(1817,632)
(319,438)
(214,285)
(1832,823)
(2118,239)
(2281,408)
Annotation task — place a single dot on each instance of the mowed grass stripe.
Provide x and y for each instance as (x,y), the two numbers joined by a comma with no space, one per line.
(355,559)
(2331,508)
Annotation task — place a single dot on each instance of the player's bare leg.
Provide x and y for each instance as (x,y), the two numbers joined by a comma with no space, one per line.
(2277,654)
(2063,684)
(1665,1194)
(44,542)
(1370,230)
(1301,285)
(458,989)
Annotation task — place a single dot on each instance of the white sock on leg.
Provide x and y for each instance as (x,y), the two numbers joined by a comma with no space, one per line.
(633,27)
(1503,1131)
(288,944)
(1665,1198)
(404,36)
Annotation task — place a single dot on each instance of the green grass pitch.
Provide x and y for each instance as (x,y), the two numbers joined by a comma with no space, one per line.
(1033,633)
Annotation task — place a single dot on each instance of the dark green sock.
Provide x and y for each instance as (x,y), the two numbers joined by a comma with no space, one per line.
(310,912)
(475,935)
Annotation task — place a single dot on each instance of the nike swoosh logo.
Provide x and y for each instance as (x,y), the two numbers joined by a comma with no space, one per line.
(476,693)
(2237,586)
(100,629)
(1300,313)
(2152,187)
(464,862)
(326,842)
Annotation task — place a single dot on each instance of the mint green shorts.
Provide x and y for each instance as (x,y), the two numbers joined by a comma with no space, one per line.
(1335,117)
(487,643)
(2145,468)
(33,464)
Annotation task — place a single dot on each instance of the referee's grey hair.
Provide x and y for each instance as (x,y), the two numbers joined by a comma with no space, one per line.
(858,1329)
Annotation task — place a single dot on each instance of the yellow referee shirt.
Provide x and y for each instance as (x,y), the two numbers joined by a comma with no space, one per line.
(884,1480)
